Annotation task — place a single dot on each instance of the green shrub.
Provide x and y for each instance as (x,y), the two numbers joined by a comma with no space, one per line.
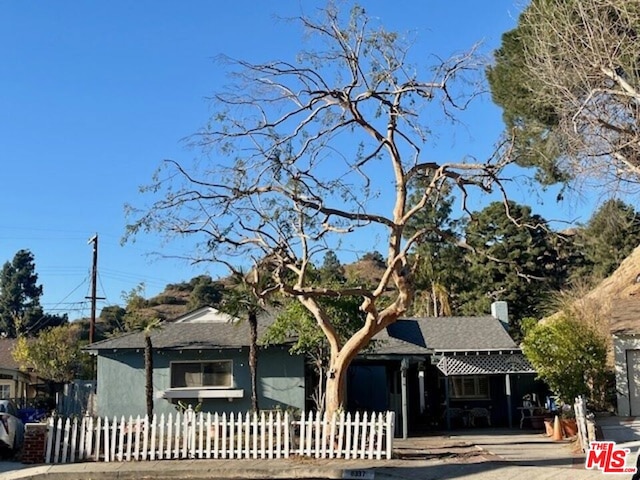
(570,356)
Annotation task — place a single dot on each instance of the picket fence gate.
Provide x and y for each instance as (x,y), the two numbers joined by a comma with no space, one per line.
(192,435)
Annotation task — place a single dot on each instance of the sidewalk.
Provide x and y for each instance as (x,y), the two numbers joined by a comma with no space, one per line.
(475,455)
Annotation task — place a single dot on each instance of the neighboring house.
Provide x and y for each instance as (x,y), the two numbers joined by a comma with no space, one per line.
(202,357)
(434,371)
(625,330)
(14,383)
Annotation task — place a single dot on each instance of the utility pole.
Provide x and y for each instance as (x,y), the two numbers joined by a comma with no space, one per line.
(94,277)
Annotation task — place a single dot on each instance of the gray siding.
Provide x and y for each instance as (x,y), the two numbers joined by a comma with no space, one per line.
(121,380)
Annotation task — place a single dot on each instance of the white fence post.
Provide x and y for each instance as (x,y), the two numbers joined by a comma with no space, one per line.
(263,435)
(580,410)
(82,440)
(230,429)
(168,442)
(90,436)
(256,434)
(341,419)
(287,434)
(120,456)
(390,430)
(50,435)
(129,438)
(153,429)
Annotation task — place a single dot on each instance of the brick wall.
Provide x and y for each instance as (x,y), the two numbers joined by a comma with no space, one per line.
(35,443)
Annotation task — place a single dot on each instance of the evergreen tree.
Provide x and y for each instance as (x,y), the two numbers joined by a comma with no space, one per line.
(331,270)
(20,310)
(437,256)
(111,320)
(610,235)
(517,263)
(375,257)
(205,293)
(567,78)
(531,119)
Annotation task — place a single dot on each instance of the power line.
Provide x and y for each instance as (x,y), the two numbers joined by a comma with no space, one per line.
(69,294)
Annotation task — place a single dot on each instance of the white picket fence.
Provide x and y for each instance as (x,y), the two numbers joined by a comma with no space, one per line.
(204,435)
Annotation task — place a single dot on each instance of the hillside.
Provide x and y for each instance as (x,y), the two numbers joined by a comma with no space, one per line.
(623,283)
(170,304)
(619,295)
(174,300)
(614,304)
(366,271)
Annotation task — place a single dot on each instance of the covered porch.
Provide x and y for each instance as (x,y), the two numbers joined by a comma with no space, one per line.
(444,372)
(443,391)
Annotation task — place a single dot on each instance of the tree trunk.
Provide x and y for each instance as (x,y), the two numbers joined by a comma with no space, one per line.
(148,369)
(253,359)
(336,387)
(435,299)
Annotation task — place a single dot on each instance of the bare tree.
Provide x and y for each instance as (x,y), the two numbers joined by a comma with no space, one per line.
(312,154)
(583,59)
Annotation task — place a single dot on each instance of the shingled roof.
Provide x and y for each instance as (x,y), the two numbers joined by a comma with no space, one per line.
(184,336)
(443,334)
(416,336)
(6,358)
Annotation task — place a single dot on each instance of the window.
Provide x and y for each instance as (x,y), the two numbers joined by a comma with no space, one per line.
(5,391)
(201,374)
(472,386)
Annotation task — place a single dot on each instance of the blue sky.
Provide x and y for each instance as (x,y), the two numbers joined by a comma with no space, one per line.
(94,95)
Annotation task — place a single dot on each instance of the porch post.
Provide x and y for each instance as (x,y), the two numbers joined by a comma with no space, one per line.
(404,366)
(421,374)
(446,402)
(507,388)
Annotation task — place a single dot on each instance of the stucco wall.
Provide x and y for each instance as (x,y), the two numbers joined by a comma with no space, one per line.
(121,381)
(620,346)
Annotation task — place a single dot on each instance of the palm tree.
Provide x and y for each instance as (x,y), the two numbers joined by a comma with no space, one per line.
(148,364)
(136,320)
(242,300)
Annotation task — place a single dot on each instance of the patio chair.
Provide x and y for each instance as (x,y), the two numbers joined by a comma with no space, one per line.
(479,412)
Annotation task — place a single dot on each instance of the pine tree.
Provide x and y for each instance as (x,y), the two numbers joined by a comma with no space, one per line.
(20,310)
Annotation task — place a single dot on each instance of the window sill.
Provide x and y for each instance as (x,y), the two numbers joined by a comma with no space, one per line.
(202,393)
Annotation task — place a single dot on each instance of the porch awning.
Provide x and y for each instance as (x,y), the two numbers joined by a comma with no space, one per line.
(485,364)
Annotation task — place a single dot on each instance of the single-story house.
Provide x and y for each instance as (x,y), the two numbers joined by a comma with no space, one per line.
(425,369)
(201,358)
(625,331)
(14,383)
